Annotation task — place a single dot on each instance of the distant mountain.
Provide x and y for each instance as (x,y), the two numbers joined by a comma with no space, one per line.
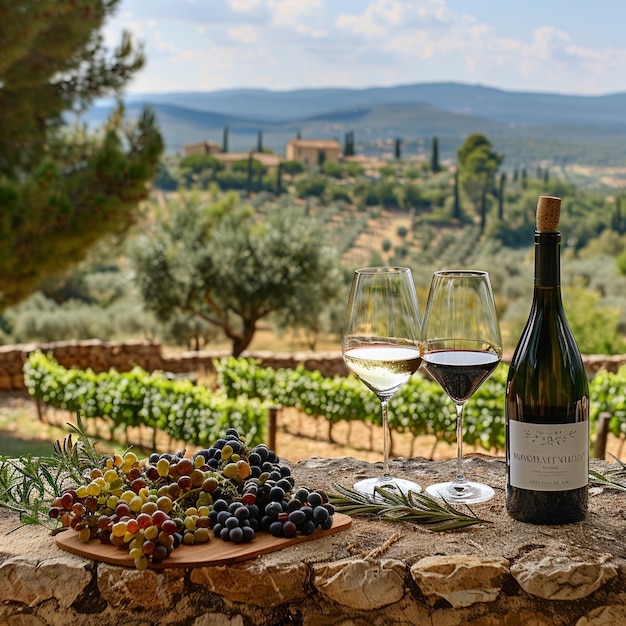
(532,126)
(509,107)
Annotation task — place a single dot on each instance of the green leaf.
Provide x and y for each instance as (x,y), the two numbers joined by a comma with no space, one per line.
(419,508)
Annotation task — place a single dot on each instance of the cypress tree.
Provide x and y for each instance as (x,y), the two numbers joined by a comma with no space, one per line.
(617,217)
(435,166)
(456,207)
(398,148)
(279,179)
(259,143)
(249,176)
(349,144)
(501,196)
(225,139)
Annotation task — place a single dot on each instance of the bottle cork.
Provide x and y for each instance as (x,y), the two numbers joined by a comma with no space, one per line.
(548,213)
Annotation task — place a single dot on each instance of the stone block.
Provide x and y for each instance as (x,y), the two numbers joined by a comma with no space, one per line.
(255,583)
(32,582)
(614,615)
(562,576)
(149,589)
(361,584)
(461,579)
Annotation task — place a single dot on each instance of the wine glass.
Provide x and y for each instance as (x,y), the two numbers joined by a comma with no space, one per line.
(381,346)
(461,347)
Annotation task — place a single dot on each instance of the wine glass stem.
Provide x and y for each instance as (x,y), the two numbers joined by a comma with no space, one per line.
(460,476)
(386,438)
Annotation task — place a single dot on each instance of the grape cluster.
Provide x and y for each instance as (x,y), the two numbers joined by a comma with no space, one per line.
(228,490)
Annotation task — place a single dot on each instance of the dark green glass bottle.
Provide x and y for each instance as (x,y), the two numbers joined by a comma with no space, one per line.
(547,398)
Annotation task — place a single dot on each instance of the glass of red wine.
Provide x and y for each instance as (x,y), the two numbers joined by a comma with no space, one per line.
(381,346)
(462,346)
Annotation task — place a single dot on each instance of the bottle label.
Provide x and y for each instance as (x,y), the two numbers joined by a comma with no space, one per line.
(548,457)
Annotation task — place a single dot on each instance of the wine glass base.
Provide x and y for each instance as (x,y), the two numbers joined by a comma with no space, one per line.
(461,492)
(367,485)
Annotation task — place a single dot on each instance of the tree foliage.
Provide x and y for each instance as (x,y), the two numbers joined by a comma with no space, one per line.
(61,189)
(478,164)
(435,166)
(232,268)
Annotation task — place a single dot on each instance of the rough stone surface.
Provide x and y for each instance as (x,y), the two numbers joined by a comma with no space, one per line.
(129,588)
(218,619)
(569,576)
(100,356)
(521,618)
(605,616)
(23,620)
(361,584)
(255,583)
(33,582)
(461,579)
(113,596)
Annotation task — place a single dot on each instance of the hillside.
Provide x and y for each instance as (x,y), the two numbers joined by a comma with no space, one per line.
(527,127)
(508,107)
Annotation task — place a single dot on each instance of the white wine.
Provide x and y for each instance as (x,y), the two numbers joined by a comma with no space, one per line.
(384,369)
(547,399)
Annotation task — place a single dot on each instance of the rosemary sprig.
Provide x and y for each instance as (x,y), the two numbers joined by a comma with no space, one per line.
(611,478)
(420,508)
(28,484)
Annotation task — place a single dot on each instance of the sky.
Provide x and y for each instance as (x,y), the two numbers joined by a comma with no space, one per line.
(556,46)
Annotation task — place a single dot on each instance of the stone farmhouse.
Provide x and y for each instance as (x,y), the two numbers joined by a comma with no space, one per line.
(202,147)
(313,151)
(309,152)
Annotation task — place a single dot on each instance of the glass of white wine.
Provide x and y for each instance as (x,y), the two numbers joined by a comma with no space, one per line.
(462,346)
(381,346)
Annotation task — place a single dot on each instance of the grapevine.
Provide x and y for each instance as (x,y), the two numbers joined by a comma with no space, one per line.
(227,492)
(245,389)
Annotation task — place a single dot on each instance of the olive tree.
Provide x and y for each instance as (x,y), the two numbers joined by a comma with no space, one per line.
(232,267)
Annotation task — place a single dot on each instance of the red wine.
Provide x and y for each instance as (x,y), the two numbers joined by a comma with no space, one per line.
(460,372)
(547,399)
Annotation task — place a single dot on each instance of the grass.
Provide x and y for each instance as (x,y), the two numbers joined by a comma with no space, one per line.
(23,433)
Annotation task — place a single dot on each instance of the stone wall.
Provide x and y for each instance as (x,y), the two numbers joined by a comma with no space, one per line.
(103,355)
(375,573)
(100,356)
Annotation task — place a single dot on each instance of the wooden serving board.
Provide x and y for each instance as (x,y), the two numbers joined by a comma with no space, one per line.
(214,552)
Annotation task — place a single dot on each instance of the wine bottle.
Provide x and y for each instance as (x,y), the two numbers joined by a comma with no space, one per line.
(547,398)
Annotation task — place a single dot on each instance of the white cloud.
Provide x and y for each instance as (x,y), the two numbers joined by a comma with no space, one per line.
(383,18)
(296,43)
(246,34)
(303,17)
(242,6)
